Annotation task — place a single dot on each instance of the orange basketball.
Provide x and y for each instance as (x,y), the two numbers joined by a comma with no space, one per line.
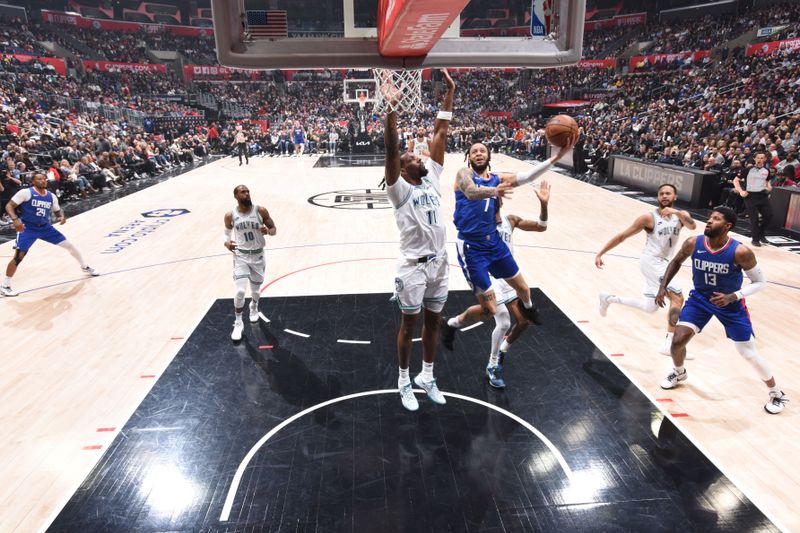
(561,130)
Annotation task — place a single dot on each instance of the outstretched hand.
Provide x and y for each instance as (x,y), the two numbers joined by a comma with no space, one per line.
(390,91)
(566,148)
(543,191)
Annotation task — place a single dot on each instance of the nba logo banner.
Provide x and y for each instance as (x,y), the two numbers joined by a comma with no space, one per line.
(540,17)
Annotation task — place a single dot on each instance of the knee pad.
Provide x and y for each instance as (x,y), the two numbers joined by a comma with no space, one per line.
(502,317)
(747,350)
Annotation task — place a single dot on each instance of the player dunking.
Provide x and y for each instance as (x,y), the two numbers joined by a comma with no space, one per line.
(717,265)
(662,226)
(422,271)
(481,250)
(35,205)
(505,294)
(245,227)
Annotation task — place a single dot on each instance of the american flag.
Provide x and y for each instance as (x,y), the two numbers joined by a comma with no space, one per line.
(269,23)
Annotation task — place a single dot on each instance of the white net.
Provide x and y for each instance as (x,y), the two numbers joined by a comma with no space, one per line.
(398,90)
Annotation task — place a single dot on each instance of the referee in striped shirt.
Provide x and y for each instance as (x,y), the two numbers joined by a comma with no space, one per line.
(756,198)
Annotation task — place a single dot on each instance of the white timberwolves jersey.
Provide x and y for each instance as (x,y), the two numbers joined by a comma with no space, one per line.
(418,213)
(421,146)
(247,230)
(661,242)
(505,229)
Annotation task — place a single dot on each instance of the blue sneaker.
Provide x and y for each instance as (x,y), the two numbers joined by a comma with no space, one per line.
(495,379)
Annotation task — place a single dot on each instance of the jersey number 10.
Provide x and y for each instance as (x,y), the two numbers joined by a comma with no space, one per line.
(249,236)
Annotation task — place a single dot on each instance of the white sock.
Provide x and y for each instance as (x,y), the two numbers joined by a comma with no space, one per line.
(670,334)
(427,371)
(527,303)
(493,360)
(679,369)
(505,346)
(403,379)
(645,304)
(7,282)
(68,246)
(454,322)
(776,390)
(238,316)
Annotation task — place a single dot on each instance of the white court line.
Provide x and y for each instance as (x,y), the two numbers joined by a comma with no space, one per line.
(237,477)
(261,315)
(347,341)
(475,325)
(305,336)
(751,495)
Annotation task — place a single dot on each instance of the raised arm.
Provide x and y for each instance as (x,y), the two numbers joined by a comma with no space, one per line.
(439,141)
(530,225)
(466,185)
(391,166)
(643,222)
(515,179)
(673,267)
(269,225)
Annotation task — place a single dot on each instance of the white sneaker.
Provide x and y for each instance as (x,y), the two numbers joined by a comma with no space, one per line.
(238,328)
(253,313)
(604,303)
(89,270)
(431,388)
(776,402)
(8,292)
(407,397)
(674,379)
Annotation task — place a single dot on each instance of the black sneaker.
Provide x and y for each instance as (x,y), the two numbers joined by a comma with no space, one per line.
(532,314)
(448,335)
(756,244)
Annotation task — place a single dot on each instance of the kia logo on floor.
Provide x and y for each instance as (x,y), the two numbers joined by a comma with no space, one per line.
(165,213)
(352,199)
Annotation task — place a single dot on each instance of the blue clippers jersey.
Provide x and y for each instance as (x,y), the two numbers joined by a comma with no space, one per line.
(298,136)
(715,271)
(475,219)
(36,211)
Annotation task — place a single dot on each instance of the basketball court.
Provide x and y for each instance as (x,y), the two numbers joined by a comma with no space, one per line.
(128,408)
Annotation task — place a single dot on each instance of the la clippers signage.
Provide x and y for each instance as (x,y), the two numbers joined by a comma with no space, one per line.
(642,61)
(58,64)
(766,49)
(73,19)
(649,176)
(131,233)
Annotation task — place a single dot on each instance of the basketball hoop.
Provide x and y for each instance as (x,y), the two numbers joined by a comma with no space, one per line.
(398,90)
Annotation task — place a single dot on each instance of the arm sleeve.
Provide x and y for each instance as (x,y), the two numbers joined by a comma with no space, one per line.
(535,172)
(56,207)
(758,281)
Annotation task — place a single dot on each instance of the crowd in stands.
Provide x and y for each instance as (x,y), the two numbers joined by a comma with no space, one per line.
(711,115)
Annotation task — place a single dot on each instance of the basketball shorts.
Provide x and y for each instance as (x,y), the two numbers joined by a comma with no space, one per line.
(653,269)
(735,317)
(31,234)
(503,292)
(478,263)
(420,285)
(251,267)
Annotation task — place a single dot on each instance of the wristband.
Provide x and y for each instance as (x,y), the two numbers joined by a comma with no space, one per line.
(227,235)
(542,223)
(444,115)
(739,295)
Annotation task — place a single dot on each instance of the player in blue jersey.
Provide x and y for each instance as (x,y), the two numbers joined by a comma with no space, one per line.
(481,250)
(34,205)
(717,265)
(299,139)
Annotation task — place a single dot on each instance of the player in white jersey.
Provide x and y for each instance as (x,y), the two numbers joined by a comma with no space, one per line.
(422,270)
(506,295)
(245,227)
(419,145)
(662,225)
